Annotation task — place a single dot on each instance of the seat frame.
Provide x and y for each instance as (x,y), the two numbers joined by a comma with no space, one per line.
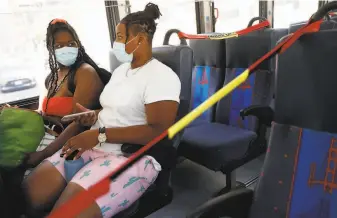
(234,204)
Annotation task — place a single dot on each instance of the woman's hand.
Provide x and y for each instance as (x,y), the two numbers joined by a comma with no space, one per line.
(53,121)
(86,119)
(33,159)
(82,142)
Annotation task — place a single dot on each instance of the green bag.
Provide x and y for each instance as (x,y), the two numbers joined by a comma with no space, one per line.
(21,132)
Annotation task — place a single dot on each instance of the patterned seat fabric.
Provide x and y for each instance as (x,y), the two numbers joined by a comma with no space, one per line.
(215,144)
(299,175)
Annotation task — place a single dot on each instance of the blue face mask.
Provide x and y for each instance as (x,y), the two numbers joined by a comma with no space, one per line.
(66,55)
(120,53)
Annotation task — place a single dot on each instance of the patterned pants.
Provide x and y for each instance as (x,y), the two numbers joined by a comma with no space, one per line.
(125,190)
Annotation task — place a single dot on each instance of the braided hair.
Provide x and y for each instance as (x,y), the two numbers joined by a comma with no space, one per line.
(142,21)
(55,26)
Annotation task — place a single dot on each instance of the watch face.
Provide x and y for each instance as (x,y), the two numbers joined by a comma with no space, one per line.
(101,138)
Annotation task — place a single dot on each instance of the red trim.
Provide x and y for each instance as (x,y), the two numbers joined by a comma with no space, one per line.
(299,144)
(85,199)
(264,24)
(309,28)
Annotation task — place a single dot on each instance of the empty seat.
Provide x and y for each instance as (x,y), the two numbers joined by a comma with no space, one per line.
(208,73)
(304,134)
(298,176)
(180,60)
(230,142)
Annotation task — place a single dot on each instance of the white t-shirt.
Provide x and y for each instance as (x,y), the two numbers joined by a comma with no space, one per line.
(124,98)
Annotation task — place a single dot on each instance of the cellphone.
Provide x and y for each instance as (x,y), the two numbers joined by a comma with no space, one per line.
(72,117)
(72,155)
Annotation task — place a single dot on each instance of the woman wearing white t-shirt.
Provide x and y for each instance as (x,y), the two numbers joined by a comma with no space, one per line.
(140,102)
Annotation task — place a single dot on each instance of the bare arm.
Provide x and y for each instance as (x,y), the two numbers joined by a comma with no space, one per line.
(88,89)
(43,94)
(160,116)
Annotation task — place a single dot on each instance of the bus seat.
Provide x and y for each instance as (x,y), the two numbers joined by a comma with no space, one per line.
(208,73)
(180,60)
(298,176)
(327,24)
(230,141)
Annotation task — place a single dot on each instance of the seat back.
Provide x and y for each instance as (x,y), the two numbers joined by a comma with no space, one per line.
(208,73)
(180,60)
(241,52)
(298,177)
(327,24)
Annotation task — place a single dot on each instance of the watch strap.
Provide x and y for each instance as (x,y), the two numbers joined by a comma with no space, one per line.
(101,130)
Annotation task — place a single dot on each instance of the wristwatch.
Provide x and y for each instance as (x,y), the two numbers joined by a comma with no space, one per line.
(101,136)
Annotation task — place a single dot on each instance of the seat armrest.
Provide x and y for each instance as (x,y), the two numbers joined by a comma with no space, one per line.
(235,204)
(264,114)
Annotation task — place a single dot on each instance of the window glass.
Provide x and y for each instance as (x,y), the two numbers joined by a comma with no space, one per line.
(176,14)
(292,11)
(234,15)
(23,52)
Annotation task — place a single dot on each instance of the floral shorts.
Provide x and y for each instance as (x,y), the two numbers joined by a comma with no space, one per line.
(124,191)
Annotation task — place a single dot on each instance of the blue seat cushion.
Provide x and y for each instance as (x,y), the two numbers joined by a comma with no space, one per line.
(214,144)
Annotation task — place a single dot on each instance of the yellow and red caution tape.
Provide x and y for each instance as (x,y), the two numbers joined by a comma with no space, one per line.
(220,36)
(86,198)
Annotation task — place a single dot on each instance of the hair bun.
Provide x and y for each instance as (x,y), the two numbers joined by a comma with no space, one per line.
(152,10)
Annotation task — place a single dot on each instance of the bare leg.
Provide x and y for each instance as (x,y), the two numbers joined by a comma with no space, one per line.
(43,187)
(70,191)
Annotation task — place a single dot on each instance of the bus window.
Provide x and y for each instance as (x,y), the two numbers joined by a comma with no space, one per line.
(23,53)
(288,12)
(235,15)
(177,14)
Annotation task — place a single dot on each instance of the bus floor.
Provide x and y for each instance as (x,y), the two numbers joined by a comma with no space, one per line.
(194,184)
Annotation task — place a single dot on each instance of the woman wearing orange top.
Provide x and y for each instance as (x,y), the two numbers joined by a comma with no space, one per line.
(74,78)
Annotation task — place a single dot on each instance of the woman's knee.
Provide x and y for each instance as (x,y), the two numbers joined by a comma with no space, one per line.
(43,185)
(72,190)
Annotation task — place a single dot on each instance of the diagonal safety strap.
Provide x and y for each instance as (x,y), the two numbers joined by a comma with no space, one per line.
(86,198)
(219,36)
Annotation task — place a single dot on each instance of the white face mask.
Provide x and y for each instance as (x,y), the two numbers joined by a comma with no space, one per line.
(66,55)
(119,51)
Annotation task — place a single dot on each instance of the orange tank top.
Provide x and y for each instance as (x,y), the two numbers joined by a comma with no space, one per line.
(58,106)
